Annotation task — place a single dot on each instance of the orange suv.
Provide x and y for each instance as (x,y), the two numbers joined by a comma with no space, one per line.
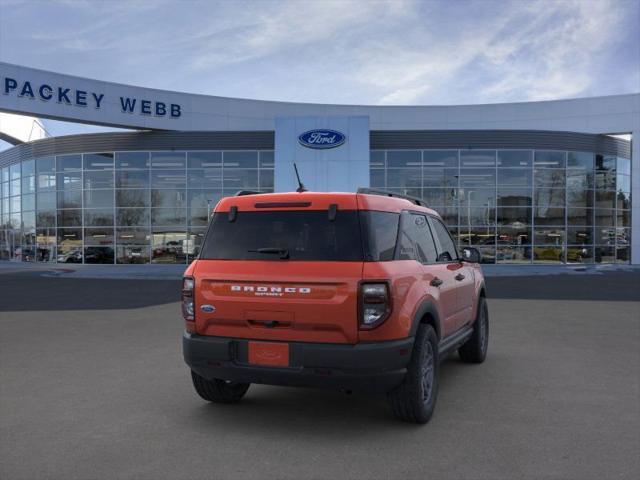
(354,291)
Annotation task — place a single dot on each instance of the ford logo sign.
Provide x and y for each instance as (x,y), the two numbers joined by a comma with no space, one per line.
(208,308)
(322,138)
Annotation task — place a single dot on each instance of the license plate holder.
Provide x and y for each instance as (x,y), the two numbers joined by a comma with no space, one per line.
(271,354)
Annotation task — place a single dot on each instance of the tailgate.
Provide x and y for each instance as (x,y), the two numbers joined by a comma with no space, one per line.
(276,300)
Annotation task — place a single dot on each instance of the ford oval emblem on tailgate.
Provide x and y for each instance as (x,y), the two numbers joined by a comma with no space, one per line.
(322,138)
(208,308)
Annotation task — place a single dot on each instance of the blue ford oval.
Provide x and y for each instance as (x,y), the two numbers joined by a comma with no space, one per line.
(322,138)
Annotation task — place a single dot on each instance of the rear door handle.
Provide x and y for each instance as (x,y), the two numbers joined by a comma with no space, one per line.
(436,282)
(459,277)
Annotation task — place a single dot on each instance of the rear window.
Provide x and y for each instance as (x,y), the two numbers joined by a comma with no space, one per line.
(306,235)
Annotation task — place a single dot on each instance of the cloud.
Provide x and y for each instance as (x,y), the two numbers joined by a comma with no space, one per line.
(337,51)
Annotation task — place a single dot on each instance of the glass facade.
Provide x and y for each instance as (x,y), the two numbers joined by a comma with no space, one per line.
(515,206)
(520,206)
(120,207)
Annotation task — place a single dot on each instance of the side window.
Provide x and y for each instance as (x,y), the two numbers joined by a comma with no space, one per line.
(379,233)
(447,251)
(416,242)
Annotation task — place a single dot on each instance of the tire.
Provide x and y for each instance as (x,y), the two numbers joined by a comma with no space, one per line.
(474,350)
(219,391)
(414,400)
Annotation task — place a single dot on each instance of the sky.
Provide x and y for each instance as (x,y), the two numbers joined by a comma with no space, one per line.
(395,52)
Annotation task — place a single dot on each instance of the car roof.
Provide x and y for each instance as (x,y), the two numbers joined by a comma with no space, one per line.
(319,201)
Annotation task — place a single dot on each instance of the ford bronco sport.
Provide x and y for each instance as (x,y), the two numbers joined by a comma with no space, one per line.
(354,291)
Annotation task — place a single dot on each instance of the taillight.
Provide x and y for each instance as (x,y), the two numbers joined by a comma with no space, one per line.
(375,304)
(188,284)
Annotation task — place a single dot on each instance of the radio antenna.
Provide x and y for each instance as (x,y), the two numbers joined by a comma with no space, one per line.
(300,188)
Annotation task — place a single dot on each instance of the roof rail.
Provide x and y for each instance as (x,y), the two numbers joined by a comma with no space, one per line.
(385,193)
(242,193)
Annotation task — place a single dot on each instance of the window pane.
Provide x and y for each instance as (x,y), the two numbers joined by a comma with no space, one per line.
(507,254)
(29,202)
(69,162)
(623,254)
(168,179)
(98,199)
(132,178)
(132,254)
(549,236)
(404,158)
(46,181)
(514,176)
(440,177)
(549,178)
(623,183)
(46,218)
(380,231)
(548,216)
(416,241)
(474,235)
(477,158)
(516,235)
(577,197)
(240,160)
(548,254)
(70,218)
(14,187)
(203,198)
(133,236)
(605,235)
(132,198)
(584,160)
(580,254)
(515,158)
(28,167)
(439,196)
(579,216)
(98,161)
(624,218)
(132,160)
(207,178)
(46,201)
(514,216)
(98,179)
(580,236)
(477,177)
(376,159)
(266,179)
(605,217)
(447,250)
(549,197)
(168,160)
(168,216)
(549,159)
(45,165)
(623,166)
(98,254)
(440,159)
(70,250)
(204,159)
(70,180)
(28,184)
(198,216)
(267,159)
(605,254)
(477,197)
(605,163)
(132,216)
(98,217)
(404,177)
(579,178)
(517,197)
(98,236)
(174,198)
(240,179)
(70,199)
(605,199)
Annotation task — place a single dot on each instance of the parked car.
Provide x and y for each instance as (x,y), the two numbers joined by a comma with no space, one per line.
(354,291)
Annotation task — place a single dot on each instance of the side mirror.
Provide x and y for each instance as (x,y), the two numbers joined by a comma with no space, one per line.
(471,255)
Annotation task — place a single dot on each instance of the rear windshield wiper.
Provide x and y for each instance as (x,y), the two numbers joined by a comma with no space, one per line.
(283,252)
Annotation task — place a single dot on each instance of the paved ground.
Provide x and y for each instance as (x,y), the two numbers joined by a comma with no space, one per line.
(90,391)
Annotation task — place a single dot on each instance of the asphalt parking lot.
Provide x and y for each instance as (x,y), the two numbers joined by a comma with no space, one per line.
(93,386)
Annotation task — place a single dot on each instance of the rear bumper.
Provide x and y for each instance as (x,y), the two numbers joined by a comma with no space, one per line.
(378,366)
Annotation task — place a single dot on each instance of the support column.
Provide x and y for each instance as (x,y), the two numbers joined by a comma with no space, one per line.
(635,197)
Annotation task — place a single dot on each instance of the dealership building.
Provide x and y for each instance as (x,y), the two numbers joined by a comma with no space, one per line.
(538,182)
